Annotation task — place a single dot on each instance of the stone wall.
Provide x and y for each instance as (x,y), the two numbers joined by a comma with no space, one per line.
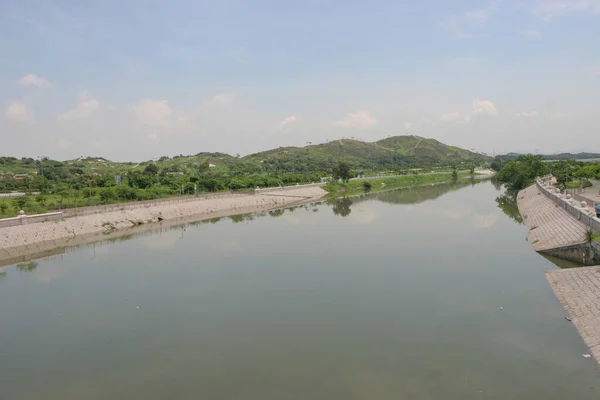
(71,212)
(586,254)
(29,219)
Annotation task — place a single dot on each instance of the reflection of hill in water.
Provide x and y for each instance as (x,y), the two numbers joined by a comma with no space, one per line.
(418,194)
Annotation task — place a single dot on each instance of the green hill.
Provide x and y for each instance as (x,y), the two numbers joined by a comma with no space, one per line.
(397,152)
(392,153)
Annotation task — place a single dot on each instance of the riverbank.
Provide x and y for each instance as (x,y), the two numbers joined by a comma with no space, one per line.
(17,242)
(355,187)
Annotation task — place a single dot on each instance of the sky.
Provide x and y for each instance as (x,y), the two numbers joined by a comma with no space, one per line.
(134,80)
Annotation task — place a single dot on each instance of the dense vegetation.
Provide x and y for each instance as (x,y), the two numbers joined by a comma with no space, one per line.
(95,180)
(521,172)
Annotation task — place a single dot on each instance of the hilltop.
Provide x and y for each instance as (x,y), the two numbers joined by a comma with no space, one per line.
(396,152)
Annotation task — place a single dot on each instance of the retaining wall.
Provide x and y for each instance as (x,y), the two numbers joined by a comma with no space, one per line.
(71,212)
(29,219)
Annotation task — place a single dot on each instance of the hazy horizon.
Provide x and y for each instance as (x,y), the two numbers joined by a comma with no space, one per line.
(139,80)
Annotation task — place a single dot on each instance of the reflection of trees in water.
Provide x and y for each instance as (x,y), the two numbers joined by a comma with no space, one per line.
(497,184)
(277,213)
(420,194)
(28,267)
(341,206)
(2,274)
(242,217)
(508,204)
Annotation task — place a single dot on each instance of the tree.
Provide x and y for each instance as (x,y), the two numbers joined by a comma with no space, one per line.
(496,164)
(342,171)
(519,173)
(151,169)
(454,175)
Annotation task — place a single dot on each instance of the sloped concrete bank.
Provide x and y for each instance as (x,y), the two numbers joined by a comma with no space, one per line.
(18,243)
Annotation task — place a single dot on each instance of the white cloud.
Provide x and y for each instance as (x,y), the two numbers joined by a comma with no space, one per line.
(551,8)
(463,25)
(34,80)
(477,15)
(532,34)
(360,119)
(287,121)
(223,99)
(527,114)
(407,125)
(18,111)
(85,108)
(479,107)
(484,107)
(452,117)
(152,112)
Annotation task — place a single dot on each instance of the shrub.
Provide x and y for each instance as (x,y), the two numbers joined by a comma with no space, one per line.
(367,185)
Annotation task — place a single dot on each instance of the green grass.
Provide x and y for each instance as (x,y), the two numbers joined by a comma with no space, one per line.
(404,181)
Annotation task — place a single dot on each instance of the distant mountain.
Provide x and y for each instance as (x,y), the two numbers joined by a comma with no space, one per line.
(557,157)
(396,151)
(392,153)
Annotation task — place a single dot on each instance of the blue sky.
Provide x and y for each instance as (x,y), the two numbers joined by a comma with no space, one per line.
(140,79)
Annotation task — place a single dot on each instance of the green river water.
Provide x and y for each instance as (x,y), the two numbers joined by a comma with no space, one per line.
(429,293)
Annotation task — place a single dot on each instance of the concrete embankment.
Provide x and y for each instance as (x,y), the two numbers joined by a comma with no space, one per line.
(556,226)
(17,242)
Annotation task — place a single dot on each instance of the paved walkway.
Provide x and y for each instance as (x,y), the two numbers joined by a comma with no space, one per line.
(578,290)
(549,226)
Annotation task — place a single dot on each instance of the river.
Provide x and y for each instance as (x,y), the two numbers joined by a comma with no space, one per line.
(429,293)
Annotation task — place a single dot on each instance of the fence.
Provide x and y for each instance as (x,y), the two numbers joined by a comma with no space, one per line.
(29,219)
(576,212)
(146,203)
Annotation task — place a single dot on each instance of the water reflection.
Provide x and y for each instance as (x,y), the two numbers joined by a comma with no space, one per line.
(28,267)
(242,217)
(508,204)
(341,206)
(419,194)
(277,213)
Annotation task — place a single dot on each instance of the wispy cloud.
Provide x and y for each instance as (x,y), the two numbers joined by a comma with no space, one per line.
(484,107)
(152,112)
(360,119)
(465,25)
(18,111)
(478,108)
(551,8)
(34,80)
(223,99)
(532,34)
(454,117)
(527,114)
(85,108)
(287,121)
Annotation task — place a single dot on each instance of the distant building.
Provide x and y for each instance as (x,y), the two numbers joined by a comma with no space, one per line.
(19,177)
(174,173)
(211,165)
